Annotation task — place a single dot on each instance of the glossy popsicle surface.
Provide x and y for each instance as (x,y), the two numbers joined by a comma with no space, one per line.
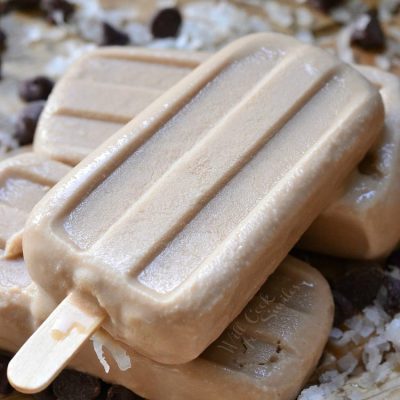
(169,224)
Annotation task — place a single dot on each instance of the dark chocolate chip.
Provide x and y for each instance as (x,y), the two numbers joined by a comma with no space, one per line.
(19,5)
(343,308)
(26,123)
(391,303)
(166,23)
(113,37)
(58,11)
(37,88)
(360,285)
(394,259)
(368,33)
(117,392)
(73,385)
(369,165)
(3,41)
(325,5)
(46,394)
(5,387)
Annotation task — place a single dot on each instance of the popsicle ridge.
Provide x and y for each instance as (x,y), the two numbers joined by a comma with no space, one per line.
(201,173)
(203,114)
(223,181)
(71,125)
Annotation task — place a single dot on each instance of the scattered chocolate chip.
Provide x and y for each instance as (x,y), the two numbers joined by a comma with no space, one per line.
(73,385)
(26,123)
(117,392)
(5,387)
(360,285)
(368,33)
(58,11)
(3,41)
(391,304)
(113,37)
(19,5)
(46,394)
(369,165)
(37,88)
(166,23)
(325,5)
(343,308)
(394,259)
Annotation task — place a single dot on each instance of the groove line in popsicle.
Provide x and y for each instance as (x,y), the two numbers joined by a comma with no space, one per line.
(204,233)
(147,74)
(119,104)
(204,114)
(201,173)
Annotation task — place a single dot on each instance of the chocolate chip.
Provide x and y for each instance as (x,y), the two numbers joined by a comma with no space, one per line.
(26,123)
(73,385)
(325,5)
(58,11)
(166,23)
(3,41)
(117,392)
(391,304)
(343,308)
(37,88)
(5,387)
(394,259)
(360,285)
(113,37)
(368,33)
(19,5)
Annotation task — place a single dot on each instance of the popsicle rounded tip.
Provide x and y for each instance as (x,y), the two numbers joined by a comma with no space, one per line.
(25,380)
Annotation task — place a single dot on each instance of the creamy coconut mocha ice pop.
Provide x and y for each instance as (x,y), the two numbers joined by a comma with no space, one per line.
(355,225)
(280,333)
(207,223)
(363,222)
(24,179)
(102,92)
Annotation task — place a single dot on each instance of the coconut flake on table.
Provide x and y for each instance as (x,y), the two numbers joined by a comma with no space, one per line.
(72,50)
(344,51)
(304,17)
(279,14)
(102,340)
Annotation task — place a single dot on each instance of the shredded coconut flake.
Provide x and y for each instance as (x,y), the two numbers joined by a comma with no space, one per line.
(100,340)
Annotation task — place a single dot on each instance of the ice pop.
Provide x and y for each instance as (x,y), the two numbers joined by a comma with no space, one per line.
(266,353)
(363,222)
(360,224)
(164,227)
(103,91)
(24,179)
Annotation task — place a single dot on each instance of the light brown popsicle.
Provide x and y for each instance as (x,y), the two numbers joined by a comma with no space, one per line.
(24,179)
(267,352)
(176,221)
(363,222)
(102,92)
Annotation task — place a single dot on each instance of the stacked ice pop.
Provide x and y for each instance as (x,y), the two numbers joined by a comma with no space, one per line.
(165,232)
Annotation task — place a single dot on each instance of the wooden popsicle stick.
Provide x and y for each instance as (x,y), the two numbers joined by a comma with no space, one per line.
(50,348)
